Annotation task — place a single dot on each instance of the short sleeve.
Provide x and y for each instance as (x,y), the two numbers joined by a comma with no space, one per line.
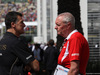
(74,49)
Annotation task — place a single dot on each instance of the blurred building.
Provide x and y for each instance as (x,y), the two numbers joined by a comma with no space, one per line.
(94,29)
(46,15)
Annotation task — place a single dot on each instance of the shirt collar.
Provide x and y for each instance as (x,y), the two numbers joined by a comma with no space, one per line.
(71,34)
(11,34)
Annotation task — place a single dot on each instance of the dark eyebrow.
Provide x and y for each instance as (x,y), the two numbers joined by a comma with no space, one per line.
(57,24)
(21,21)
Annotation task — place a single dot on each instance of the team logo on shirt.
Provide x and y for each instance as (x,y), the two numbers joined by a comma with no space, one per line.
(3,47)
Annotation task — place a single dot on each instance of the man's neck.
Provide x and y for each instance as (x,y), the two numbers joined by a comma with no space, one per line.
(13,31)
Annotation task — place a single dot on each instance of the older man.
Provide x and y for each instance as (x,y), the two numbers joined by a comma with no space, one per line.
(74,54)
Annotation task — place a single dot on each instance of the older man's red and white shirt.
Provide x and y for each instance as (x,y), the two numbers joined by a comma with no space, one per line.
(75,48)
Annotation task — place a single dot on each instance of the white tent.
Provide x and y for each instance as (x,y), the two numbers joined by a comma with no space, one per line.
(0,27)
(26,23)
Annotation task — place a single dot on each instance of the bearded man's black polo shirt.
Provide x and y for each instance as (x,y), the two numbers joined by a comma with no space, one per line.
(14,53)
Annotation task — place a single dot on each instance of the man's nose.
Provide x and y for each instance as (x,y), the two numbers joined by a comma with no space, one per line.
(56,27)
(24,25)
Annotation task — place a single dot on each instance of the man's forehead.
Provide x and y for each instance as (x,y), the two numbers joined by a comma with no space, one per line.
(19,17)
(59,19)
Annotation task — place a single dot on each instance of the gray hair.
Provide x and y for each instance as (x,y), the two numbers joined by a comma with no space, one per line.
(68,17)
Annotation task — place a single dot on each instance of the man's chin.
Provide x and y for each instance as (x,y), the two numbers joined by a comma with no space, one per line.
(58,34)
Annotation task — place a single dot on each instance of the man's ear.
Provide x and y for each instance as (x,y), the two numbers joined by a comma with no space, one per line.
(12,24)
(68,25)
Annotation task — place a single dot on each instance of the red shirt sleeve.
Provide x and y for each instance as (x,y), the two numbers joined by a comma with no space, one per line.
(74,49)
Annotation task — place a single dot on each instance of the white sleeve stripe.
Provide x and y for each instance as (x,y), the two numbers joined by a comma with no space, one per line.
(75,54)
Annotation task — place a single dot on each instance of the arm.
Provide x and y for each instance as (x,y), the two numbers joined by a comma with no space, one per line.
(35,65)
(74,69)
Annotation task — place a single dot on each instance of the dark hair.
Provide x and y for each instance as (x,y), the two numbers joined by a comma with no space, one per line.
(11,17)
(51,42)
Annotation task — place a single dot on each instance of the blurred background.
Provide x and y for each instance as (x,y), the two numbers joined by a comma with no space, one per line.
(39,24)
(39,17)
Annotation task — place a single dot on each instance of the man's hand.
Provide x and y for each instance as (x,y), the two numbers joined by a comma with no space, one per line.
(27,68)
(44,70)
(35,65)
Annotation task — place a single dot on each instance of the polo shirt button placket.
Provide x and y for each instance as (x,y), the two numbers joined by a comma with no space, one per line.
(62,44)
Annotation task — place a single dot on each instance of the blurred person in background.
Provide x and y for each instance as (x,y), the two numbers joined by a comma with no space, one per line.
(38,54)
(15,56)
(74,54)
(50,58)
(30,46)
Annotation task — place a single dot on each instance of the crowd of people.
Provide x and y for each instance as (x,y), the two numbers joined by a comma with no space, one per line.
(47,55)
(17,57)
(29,10)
